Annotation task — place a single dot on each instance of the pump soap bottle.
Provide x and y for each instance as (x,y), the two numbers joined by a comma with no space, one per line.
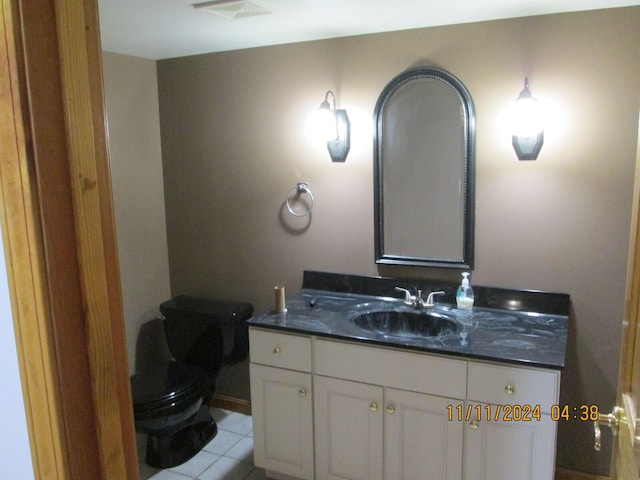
(464,296)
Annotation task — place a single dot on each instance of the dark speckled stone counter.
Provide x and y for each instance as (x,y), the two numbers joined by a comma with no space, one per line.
(511,326)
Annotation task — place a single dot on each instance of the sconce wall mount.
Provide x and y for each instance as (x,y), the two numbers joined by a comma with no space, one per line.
(339,140)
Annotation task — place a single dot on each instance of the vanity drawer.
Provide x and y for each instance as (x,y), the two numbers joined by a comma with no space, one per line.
(416,372)
(504,385)
(282,350)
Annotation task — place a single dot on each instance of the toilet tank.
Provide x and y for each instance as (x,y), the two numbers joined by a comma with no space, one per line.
(192,323)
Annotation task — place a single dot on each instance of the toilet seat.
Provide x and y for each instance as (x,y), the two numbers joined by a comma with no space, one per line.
(167,389)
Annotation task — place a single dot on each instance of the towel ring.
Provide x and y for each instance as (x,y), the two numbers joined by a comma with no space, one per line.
(300,188)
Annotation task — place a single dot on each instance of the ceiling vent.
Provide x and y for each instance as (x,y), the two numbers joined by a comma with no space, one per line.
(236,9)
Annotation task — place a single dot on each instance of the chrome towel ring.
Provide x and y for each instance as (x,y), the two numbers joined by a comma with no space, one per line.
(299,189)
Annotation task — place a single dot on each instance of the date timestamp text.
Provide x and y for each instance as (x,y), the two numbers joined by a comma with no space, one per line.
(495,413)
(520,413)
(585,413)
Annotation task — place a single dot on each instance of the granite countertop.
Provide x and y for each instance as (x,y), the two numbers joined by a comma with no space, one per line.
(533,338)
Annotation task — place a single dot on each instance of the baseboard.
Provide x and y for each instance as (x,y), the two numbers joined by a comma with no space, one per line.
(564,474)
(230,403)
(277,476)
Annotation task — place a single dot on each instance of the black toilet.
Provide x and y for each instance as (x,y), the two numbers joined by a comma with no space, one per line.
(170,401)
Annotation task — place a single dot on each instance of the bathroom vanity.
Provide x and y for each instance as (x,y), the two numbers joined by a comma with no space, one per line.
(334,398)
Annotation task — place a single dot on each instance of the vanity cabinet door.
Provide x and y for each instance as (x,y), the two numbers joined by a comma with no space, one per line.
(282,420)
(421,439)
(507,449)
(348,420)
(504,440)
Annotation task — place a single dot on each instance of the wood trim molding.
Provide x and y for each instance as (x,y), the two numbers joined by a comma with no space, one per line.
(22,239)
(625,456)
(84,152)
(58,228)
(83,99)
(564,474)
(231,403)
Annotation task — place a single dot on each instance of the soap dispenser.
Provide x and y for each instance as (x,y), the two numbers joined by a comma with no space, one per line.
(464,296)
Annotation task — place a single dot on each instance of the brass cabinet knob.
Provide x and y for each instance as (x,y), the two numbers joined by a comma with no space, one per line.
(302,392)
(276,351)
(391,408)
(373,406)
(509,389)
(473,425)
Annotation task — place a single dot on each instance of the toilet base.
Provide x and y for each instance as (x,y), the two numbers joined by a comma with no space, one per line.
(165,451)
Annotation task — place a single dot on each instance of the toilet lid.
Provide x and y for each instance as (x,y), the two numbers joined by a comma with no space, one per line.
(166,386)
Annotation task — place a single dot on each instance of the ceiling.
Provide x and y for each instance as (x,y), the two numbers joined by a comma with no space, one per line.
(160,29)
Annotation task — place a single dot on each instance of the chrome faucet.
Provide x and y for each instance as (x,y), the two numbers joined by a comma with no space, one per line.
(430,301)
(416,301)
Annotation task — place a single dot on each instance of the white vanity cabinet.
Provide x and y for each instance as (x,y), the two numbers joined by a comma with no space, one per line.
(330,409)
(382,413)
(281,403)
(368,432)
(510,435)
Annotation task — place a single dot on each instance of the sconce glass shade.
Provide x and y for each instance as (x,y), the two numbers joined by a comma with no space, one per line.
(335,128)
(528,125)
(339,148)
(325,122)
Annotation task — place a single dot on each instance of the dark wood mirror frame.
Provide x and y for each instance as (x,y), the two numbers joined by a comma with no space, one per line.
(424,171)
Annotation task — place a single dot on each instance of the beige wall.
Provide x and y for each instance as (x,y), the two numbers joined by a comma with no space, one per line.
(131,95)
(233,145)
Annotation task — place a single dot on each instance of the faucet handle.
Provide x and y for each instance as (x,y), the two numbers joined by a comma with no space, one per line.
(408,298)
(430,301)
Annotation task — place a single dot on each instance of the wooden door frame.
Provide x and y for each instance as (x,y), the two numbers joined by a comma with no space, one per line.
(625,459)
(59,235)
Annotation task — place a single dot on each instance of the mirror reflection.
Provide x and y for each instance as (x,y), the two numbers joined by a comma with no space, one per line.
(424,170)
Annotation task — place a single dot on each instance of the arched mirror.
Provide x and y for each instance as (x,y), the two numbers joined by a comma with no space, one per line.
(424,157)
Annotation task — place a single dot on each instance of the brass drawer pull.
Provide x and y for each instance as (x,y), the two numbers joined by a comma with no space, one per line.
(302,392)
(373,407)
(509,389)
(276,351)
(391,409)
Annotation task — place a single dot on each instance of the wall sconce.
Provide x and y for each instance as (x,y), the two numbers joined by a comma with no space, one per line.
(528,126)
(336,128)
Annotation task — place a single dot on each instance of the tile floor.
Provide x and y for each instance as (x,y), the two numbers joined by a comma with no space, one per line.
(229,456)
